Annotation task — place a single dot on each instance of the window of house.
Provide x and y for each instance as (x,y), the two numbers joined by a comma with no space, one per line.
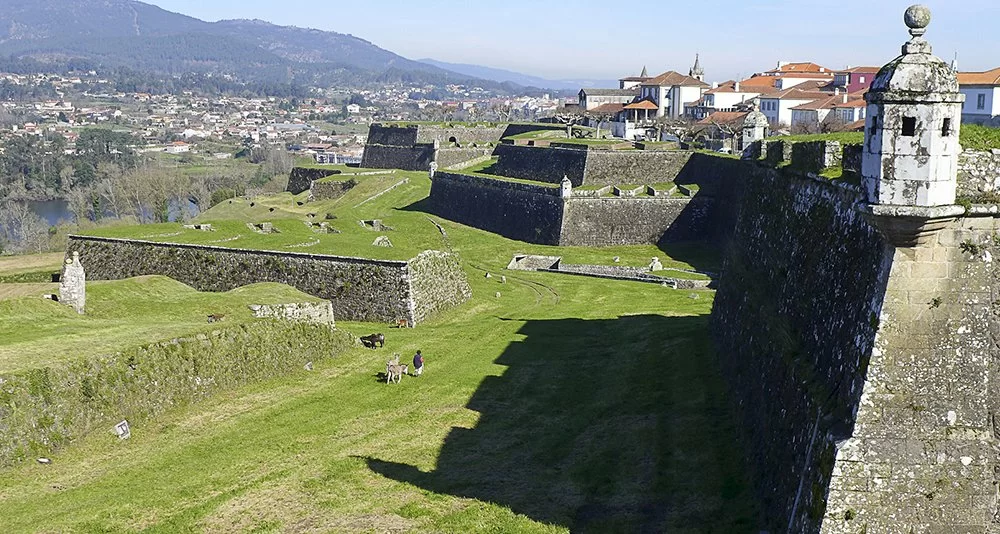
(981,101)
(909,126)
(861,79)
(946,127)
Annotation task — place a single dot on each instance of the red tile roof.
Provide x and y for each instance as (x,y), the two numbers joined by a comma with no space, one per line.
(643,104)
(671,78)
(724,117)
(800,68)
(606,108)
(989,77)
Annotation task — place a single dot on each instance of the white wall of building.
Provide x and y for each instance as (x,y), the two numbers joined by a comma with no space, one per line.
(981,100)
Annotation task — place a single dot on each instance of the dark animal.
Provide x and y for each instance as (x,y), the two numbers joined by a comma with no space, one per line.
(370,340)
(216,317)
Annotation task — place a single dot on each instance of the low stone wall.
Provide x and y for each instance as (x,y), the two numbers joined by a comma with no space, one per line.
(633,221)
(438,283)
(525,212)
(458,133)
(392,135)
(301,178)
(359,289)
(411,158)
(851,158)
(42,409)
(320,313)
(331,190)
(776,152)
(978,172)
(814,156)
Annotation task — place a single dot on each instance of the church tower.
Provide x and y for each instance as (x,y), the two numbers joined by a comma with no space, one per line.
(910,155)
(696,71)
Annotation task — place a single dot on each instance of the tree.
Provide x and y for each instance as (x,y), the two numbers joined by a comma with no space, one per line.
(22,230)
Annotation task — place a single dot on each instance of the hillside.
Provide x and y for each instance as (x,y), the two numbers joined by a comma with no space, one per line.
(112,34)
(503,75)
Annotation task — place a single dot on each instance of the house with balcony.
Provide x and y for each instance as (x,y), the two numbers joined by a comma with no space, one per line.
(672,92)
(982,97)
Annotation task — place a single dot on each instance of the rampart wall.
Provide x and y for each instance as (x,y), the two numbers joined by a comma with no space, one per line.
(863,374)
(542,164)
(408,158)
(301,178)
(330,190)
(608,221)
(359,289)
(525,212)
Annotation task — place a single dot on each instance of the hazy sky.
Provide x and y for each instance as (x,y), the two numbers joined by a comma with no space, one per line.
(606,39)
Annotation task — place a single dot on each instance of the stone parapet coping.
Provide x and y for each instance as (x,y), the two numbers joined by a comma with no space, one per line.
(306,255)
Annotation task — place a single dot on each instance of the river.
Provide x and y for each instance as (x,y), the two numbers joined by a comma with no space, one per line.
(56,211)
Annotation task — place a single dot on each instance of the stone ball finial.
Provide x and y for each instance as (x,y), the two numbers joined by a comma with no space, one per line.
(917,18)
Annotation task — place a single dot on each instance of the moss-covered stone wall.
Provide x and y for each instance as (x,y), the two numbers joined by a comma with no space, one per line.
(301,178)
(42,409)
(525,212)
(609,221)
(794,324)
(438,283)
(360,289)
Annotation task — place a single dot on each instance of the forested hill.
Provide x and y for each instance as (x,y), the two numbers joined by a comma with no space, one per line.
(115,34)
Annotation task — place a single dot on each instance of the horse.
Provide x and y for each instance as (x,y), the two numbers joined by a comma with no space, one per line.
(370,340)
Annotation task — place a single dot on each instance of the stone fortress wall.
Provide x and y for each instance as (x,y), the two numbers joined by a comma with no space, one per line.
(537,213)
(412,147)
(359,289)
(862,371)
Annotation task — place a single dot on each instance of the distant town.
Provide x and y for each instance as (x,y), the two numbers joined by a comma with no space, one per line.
(796,97)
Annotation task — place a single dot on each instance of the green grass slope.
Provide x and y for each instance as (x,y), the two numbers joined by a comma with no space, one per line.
(564,404)
(38,332)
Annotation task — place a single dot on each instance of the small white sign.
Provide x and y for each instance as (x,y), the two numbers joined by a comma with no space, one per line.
(122,430)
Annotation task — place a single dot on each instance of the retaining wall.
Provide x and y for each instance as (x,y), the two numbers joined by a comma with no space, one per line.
(978,172)
(301,178)
(359,289)
(602,222)
(407,158)
(331,190)
(862,374)
(525,212)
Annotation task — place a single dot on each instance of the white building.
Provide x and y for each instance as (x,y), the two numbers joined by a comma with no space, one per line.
(777,107)
(982,96)
(672,92)
(591,98)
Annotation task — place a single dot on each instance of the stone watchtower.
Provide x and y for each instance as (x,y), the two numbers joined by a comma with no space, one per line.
(755,127)
(911,149)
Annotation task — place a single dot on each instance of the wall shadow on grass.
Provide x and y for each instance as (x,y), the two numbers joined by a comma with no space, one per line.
(615,425)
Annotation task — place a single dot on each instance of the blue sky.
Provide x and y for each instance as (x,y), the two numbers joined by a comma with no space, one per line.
(606,39)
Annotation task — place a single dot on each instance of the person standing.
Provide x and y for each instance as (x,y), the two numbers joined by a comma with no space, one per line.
(418,363)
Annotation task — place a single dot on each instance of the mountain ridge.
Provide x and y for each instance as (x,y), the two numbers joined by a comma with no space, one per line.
(504,75)
(146,38)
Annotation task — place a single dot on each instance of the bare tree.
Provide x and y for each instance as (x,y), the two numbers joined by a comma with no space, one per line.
(22,230)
